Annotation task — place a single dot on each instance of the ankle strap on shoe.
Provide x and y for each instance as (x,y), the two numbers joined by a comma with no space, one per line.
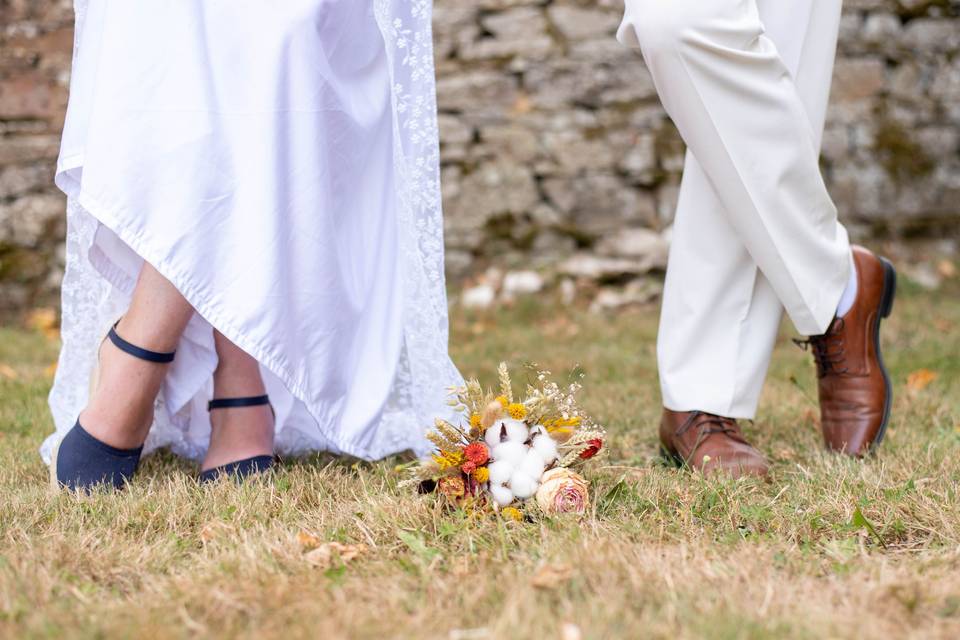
(138,352)
(232,403)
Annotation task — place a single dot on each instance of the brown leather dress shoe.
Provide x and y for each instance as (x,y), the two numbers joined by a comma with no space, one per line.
(853,383)
(709,443)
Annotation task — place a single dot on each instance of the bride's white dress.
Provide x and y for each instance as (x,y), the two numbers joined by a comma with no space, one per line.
(278,162)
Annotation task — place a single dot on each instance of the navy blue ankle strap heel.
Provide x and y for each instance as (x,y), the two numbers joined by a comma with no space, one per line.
(233,403)
(81,461)
(138,352)
(239,469)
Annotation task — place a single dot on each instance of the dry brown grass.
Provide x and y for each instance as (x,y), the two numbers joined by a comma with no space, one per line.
(828,548)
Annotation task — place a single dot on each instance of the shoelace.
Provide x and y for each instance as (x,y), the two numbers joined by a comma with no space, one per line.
(708,424)
(828,350)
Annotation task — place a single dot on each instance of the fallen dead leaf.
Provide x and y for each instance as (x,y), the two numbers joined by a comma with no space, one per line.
(786,453)
(212,530)
(8,372)
(919,379)
(947,268)
(308,540)
(551,576)
(327,553)
(44,320)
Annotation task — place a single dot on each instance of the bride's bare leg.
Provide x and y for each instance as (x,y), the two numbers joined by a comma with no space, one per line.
(244,432)
(120,409)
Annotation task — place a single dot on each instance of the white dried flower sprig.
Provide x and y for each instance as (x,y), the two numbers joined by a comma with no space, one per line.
(549,398)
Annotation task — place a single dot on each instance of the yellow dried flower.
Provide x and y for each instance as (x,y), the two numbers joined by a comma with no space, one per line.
(504,401)
(562,425)
(475,421)
(512,513)
(448,459)
(517,411)
(481,474)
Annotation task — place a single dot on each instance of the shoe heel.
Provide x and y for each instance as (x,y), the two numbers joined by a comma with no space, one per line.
(889,288)
(83,462)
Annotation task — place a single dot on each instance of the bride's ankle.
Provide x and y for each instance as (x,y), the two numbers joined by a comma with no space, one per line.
(119,427)
(144,334)
(124,390)
(238,382)
(239,433)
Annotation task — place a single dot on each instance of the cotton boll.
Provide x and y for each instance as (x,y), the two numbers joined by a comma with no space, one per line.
(533,464)
(522,485)
(500,472)
(546,447)
(506,430)
(517,430)
(501,495)
(492,436)
(511,452)
(537,430)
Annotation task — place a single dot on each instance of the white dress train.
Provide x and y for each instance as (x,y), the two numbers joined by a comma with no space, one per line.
(278,163)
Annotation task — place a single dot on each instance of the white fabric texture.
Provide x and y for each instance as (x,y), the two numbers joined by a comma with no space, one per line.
(747,84)
(849,295)
(279,164)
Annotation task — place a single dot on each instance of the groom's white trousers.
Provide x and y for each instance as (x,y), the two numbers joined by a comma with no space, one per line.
(747,84)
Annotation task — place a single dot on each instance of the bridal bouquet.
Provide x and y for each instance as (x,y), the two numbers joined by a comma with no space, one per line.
(509,450)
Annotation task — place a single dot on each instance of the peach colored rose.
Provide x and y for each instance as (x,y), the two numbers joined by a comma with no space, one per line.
(563,491)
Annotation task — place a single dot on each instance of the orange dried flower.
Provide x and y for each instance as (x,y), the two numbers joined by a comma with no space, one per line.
(452,487)
(477,453)
(468,467)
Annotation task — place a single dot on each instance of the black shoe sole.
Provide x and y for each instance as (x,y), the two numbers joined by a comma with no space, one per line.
(239,470)
(884,310)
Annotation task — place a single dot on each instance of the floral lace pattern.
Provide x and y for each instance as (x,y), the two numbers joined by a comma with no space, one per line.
(91,303)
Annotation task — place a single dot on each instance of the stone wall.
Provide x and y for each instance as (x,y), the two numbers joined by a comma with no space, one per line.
(36,39)
(554,144)
(554,140)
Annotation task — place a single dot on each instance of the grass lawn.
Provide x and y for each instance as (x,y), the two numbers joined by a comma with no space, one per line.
(829,548)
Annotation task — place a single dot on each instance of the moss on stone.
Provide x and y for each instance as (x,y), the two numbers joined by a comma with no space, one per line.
(902,157)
